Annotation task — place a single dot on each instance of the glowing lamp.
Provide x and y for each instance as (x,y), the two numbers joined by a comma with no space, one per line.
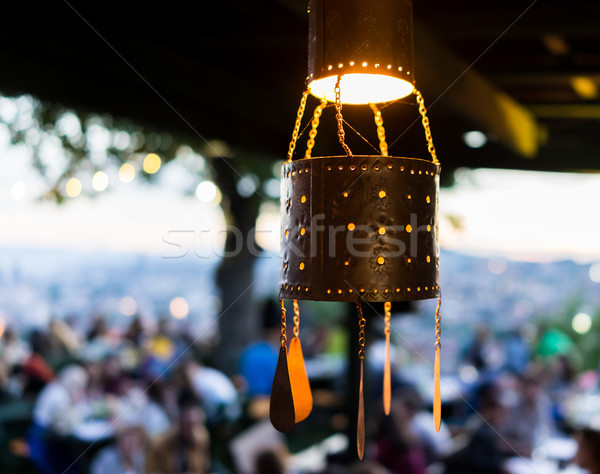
(355,228)
(369,43)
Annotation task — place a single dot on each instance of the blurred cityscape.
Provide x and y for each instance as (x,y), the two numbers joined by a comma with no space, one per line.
(38,285)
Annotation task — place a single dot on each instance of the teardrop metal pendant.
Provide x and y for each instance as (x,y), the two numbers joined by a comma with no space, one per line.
(303,401)
(281,409)
(437,397)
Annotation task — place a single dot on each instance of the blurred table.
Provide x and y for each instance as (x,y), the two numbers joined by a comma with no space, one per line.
(529,466)
(547,458)
(93,430)
(559,449)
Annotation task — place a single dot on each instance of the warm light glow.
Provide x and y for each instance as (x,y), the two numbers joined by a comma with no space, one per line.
(362,88)
(582,323)
(151,163)
(127,306)
(179,308)
(126,173)
(584,87)
(100,181)
(73,188)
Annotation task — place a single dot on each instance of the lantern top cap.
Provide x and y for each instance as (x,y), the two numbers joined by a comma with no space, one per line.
(370,44)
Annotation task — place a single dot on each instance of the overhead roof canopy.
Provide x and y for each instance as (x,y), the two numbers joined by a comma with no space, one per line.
(525,73)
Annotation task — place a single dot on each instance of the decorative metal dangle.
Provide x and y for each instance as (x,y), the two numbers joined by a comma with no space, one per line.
(387,371)
(281,411)
(356,228)
(300,386)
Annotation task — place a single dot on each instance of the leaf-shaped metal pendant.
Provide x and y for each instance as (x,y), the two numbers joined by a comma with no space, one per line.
(360,428)
(301,393)
(437,396)
(281,409)
(387,376)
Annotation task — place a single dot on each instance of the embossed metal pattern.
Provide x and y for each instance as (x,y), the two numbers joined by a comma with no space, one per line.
(359,227)
(374,37)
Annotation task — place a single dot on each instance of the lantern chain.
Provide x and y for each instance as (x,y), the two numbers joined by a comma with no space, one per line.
(313,131)
(387,307)
(340,119)
(283,337)
(438,325)
(380,130)
(361,332)
(297,125)
(425,122)
(296,319)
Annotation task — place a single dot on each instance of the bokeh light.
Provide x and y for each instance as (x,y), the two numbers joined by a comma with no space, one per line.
(100,181)
(18,190)
(179,308)
(272,188)
(127,306)
(475,139)
(152,163)
(126,173)
(582,323)
(73,188)
(468,374)
(247,185)
(207,191)
(594,273)
(267,232)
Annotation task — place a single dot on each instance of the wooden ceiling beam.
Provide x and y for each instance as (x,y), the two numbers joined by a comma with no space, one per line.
(459,87)
(566,111)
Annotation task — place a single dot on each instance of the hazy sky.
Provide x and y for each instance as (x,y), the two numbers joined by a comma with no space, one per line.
(533,216)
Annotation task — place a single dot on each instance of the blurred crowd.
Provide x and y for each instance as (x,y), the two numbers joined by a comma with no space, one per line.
(143,399)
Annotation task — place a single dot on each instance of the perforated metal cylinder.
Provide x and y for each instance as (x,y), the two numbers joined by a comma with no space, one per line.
(359,227)
(359,37)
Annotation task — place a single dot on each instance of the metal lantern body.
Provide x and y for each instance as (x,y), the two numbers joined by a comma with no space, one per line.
(369,43)
(359,227)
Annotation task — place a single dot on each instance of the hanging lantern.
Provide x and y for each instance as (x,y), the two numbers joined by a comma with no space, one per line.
(355,228)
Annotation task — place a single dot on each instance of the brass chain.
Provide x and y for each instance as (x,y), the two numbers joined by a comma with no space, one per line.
(438,325)
(425,122)
(361,331)
(340,119)
(313,131)
(387,307)
(297,125)
(380,130)
(296,319)
(283,337)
